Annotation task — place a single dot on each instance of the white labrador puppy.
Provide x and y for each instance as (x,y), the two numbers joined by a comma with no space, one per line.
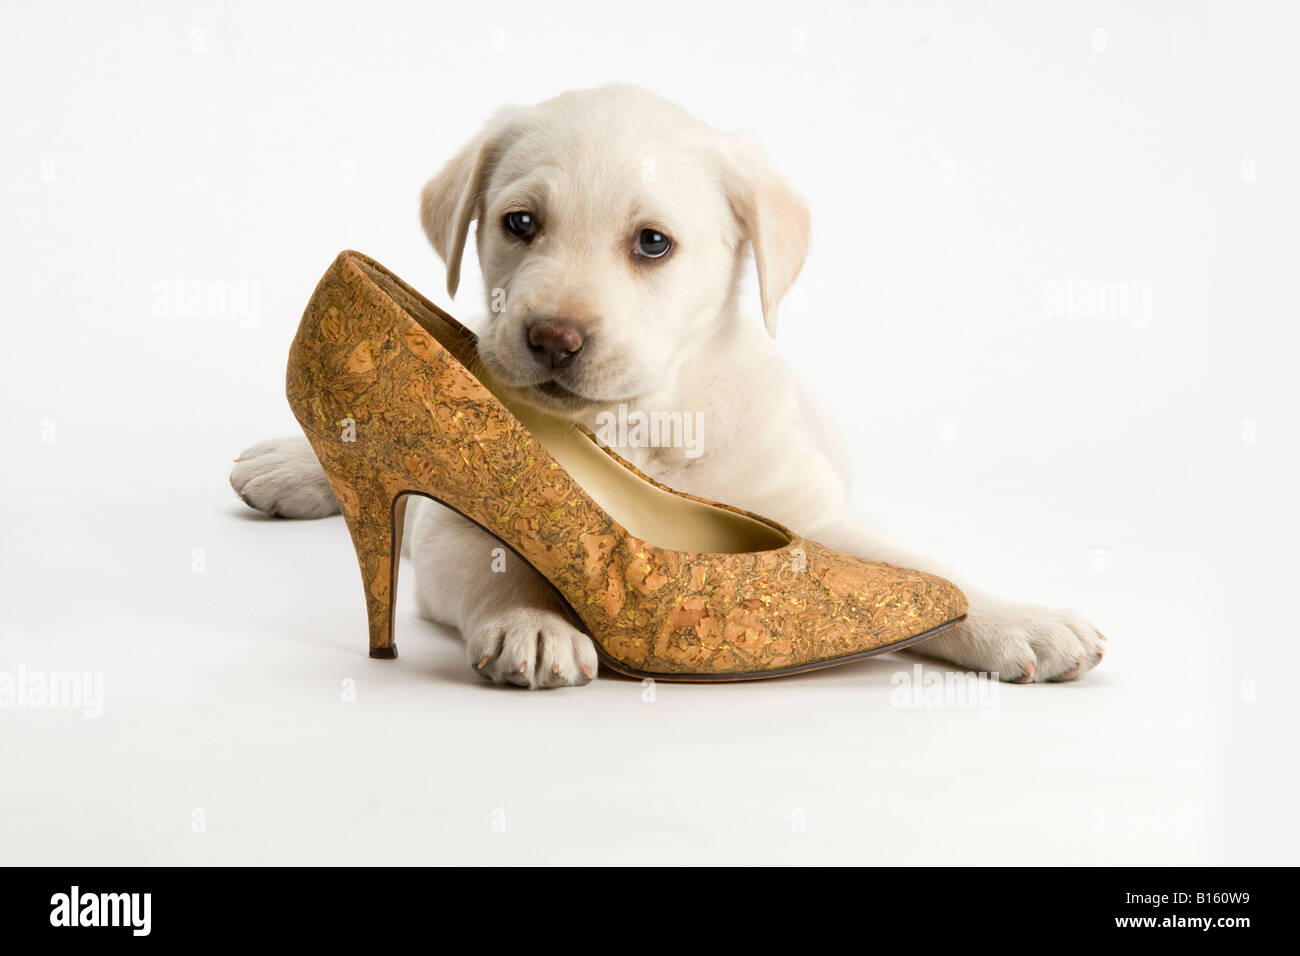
(613,230)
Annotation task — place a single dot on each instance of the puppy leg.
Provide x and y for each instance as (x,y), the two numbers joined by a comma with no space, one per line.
(282,478)
(514,629)
(1022,643)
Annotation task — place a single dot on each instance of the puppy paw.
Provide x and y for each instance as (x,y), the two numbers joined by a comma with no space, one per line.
(1021,643)
(531,648)
(282,478)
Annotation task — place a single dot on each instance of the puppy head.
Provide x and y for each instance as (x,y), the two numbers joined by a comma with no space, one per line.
(611,229)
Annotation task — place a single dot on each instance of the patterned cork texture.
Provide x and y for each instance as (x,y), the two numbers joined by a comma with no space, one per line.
(393,408)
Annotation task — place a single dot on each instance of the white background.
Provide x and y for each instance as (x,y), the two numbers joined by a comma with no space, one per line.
(957,163)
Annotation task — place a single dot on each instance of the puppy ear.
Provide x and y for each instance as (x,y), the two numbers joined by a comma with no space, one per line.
(773,217)
(454,197)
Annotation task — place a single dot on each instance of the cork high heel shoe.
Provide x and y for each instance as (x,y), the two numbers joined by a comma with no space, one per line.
(395,401)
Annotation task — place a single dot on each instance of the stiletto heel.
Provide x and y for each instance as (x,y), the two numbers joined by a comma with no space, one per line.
(667,585)
(375,515)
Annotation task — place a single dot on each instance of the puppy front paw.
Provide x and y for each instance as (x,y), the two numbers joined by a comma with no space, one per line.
(1021,643)
(531,648)
(282,478)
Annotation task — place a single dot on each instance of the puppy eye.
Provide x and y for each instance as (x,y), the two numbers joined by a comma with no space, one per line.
(520,224)
(652,244)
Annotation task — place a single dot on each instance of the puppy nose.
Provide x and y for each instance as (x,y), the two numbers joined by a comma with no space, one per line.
(554,342)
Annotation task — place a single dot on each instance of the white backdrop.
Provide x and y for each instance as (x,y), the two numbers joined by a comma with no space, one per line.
(965,169)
